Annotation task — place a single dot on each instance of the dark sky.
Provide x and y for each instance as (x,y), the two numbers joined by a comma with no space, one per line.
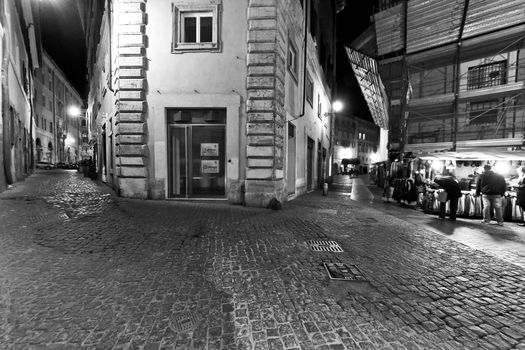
(63,40)
(351,22)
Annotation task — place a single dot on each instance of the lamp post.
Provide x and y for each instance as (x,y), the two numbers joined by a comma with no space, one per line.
(337,106)
(72,111)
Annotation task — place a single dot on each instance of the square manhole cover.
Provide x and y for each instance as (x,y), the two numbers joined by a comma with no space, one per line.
(182,322)
(325,246)
(344,272)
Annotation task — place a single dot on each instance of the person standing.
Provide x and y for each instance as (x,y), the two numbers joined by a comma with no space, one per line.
(492,187)
(451,187)
(520,192)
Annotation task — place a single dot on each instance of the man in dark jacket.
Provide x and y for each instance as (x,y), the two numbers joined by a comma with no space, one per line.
(451,186)
(492,186)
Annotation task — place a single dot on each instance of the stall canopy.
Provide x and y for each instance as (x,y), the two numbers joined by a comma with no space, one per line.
(367,74)
(475,155)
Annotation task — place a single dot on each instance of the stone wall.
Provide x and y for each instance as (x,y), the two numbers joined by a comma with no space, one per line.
(130,115)
(265,104)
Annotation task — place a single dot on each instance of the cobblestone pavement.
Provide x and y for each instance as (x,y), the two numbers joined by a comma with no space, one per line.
(507,242)
(83,269)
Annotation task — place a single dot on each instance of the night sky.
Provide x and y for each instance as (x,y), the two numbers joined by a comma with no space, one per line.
(351,22)
(63,39)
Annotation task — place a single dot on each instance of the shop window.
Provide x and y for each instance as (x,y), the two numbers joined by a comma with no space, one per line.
(291,61)
(309,90)
(197,116)
(485,112)
(486,75)
(196,28)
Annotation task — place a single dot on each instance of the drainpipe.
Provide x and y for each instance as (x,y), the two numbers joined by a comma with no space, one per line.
(305,57)
(110,85)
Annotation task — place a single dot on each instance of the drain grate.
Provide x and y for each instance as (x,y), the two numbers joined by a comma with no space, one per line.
(344,272)
(325,246)
(183,322)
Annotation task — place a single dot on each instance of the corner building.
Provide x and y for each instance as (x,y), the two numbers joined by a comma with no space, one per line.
(214,99)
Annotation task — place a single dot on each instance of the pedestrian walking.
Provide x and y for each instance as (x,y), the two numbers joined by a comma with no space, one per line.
(520,193)
(453,193)
(492,187)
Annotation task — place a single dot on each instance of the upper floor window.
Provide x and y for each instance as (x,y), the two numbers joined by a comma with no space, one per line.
(309,90)
(485,75)
(485,112)
(291,61)
(196,27)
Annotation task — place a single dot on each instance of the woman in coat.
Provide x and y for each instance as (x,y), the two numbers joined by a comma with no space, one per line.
(520,192)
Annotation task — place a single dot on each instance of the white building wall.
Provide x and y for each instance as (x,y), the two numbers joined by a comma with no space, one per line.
(195,80)
(18,98)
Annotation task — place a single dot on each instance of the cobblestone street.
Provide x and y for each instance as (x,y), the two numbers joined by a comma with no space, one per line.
(83,269)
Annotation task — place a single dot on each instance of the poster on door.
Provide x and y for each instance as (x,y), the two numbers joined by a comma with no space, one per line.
(209,149)
(209,166)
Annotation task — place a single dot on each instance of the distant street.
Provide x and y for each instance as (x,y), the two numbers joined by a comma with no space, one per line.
(83,269)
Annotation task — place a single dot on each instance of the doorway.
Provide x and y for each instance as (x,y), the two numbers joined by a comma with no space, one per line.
(310,165)
(197,142)
(290,172)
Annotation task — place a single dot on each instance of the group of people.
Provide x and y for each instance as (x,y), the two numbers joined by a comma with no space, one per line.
(490,185)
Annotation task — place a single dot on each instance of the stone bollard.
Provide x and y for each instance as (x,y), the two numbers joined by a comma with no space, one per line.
(325,189)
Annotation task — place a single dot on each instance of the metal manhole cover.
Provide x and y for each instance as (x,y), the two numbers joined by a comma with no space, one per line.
(325,246)
(183,322)
(344,272)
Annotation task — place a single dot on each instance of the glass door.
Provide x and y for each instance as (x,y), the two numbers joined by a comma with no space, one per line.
(196,161)
(178,172)
(208,155)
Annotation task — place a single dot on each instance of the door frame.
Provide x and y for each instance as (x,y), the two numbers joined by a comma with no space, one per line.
(188,136)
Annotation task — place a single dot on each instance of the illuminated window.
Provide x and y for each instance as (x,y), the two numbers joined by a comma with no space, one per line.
(196,28)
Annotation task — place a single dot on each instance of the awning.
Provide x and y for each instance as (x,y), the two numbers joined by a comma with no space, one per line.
(367,75)
(491,155)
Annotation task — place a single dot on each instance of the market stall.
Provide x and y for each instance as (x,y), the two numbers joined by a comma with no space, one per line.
(412,178)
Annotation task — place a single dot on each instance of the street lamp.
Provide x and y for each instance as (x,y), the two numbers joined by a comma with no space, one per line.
(337,106)
(74,112)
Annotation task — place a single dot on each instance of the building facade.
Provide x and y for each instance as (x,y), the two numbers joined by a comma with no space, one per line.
(57,122)
(454,73)
(215,99)
(19,52)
